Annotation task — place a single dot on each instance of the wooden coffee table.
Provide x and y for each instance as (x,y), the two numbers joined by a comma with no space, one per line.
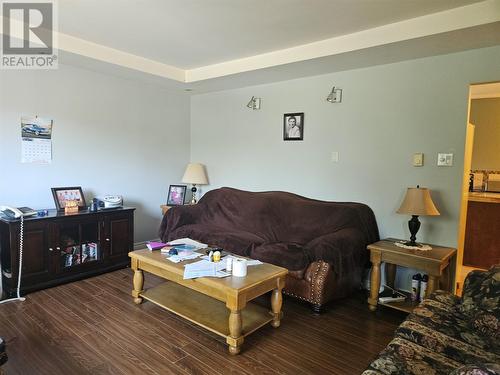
(221,305)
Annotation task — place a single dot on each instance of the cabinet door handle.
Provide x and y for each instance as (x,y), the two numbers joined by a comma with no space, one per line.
(107,239)
(51,249)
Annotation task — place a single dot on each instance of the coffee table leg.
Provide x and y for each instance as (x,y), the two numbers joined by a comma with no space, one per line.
(276,302)
(235,338)
(138,282)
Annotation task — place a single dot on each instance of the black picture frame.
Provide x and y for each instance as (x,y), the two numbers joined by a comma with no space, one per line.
(62,194)
(176,195)
(293,134)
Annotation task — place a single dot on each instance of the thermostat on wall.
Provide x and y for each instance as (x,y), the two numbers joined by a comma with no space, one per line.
(418,159)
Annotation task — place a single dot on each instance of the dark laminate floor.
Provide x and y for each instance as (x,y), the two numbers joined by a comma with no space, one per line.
(92,326)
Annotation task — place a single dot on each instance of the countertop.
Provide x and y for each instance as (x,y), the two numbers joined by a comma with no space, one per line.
(484,197)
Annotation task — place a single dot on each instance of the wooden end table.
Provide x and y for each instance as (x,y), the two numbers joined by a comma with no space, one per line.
(433,262)
(221,305)
(164,208)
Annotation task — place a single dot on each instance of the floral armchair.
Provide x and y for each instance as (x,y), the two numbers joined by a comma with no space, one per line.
(446,334)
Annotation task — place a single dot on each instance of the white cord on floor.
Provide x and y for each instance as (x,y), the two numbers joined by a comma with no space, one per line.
(21,240)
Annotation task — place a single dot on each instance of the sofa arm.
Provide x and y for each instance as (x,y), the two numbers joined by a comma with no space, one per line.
(178,216)
(473,281)
(482,291)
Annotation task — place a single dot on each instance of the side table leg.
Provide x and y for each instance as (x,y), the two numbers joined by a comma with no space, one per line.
(138,285)
(276,303)
(431,285)
(235,339)
(390,274)
(374,281)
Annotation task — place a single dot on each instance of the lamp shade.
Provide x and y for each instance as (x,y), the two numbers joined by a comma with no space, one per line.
(195,174)
(418,201)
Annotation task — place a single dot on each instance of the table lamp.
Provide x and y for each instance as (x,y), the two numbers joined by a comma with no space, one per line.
(417,202)
(195,174)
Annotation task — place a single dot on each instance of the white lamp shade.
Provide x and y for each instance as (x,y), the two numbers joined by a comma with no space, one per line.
(195,174)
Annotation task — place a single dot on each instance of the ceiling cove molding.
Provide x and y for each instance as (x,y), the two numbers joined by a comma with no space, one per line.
(467,16)
(78,46)
(450,20)
(95,51)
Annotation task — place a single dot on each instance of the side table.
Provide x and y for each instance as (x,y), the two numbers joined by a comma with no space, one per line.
(164,208)
(433,262)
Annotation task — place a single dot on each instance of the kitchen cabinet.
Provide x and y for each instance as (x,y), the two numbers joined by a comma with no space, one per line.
(481,247)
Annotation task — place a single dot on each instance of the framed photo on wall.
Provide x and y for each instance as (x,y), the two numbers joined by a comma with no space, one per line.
(293,126)
(176,195)
(63,194)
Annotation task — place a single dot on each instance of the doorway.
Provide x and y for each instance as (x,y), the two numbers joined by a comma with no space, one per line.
(478,247)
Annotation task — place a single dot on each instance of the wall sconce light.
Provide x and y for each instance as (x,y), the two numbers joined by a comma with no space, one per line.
(335,95)
(254,103)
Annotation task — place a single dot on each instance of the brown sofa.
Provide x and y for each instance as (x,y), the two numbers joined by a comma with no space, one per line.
(323,244)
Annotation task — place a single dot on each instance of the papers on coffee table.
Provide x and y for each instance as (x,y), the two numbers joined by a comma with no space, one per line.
(188,241)
(204,268)
(183,255)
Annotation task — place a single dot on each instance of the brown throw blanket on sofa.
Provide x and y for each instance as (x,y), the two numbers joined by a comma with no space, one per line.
(277,227)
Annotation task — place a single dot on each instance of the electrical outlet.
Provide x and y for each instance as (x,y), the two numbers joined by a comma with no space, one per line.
(445,160)
(335,156)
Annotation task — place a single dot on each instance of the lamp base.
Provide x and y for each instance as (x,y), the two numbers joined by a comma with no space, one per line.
(193,196)
(413,226)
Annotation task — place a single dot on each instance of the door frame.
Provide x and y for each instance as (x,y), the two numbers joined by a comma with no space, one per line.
(468,148)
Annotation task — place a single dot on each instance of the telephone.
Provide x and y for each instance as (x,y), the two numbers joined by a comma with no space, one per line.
(16,213)
(110,201)
(13,213)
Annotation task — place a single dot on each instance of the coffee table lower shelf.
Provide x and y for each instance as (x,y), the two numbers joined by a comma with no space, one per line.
(205,311)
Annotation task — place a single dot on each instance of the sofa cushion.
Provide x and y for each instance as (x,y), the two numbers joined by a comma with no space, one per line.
(403,357)
(478,369)
(438,324)
(487,326)
(236,241)
(288,255)
(451,347)
(450,323)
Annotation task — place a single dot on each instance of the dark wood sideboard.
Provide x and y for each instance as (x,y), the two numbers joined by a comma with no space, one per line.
(60,247)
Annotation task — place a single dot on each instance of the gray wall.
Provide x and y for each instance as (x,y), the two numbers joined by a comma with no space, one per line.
(485,114)
(388,113)
(110,136)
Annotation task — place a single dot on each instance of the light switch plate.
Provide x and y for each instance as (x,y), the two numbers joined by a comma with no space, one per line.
(445,160)
(418,159)
(335,156)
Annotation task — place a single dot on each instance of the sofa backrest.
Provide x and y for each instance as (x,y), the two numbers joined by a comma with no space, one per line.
(280,216)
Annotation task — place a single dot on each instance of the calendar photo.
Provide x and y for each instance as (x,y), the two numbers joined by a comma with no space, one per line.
(36,127)
(36,140)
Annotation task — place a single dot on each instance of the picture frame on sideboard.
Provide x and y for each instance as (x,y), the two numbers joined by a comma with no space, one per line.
(63,194)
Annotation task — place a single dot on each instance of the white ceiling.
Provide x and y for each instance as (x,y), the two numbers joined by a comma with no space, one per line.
(190,34)
(209,45)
